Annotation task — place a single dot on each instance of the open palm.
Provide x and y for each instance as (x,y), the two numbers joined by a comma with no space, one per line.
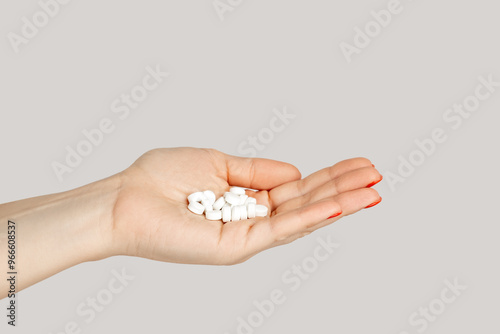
(151,220)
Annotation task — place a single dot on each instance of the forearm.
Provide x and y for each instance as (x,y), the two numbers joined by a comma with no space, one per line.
(58,231)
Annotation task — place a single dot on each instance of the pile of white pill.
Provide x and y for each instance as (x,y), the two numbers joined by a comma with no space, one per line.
(233,206)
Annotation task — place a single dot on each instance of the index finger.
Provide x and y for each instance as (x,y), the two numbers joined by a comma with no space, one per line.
(298,188)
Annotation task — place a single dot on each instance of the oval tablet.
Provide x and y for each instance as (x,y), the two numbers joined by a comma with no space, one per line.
(243,199)
(235,213)
(250,200)
(226,214)
(251,210)
(260,210)
(208,207)
(196,207)
(237,190)
(209,194)
(243,212)
(196,197)
(219,203)
(232,199)
(214,215)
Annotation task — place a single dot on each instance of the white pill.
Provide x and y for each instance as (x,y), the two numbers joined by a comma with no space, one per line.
(226,213)
(243,198)
(196,197)
(214,215)
(250,200)
(196,207)
(219,203)
(207,207)
(232,199)
(251,210)
(260,210)
(237,190)
(243,212)
(235,213)
(210,196)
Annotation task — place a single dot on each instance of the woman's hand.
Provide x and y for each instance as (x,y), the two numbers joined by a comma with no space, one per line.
(150,217)
(142,211)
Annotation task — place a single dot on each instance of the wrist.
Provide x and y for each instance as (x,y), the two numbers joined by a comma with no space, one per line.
(96,202)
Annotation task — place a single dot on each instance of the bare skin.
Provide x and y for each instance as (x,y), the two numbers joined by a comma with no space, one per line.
(142,212)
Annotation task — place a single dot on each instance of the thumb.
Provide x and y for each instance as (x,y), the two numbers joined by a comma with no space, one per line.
(258,173)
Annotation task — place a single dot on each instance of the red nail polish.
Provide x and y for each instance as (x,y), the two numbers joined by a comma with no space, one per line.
(374,203)
(335,215)
(374,183)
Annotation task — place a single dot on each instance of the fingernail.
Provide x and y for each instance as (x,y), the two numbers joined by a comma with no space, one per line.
(374,203)
(375,182)
(373,165)
(335,215)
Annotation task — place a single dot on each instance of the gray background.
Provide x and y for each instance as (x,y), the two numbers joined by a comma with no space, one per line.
(225,79)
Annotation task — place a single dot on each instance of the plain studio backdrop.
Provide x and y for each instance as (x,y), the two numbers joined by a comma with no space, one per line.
(353,80)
